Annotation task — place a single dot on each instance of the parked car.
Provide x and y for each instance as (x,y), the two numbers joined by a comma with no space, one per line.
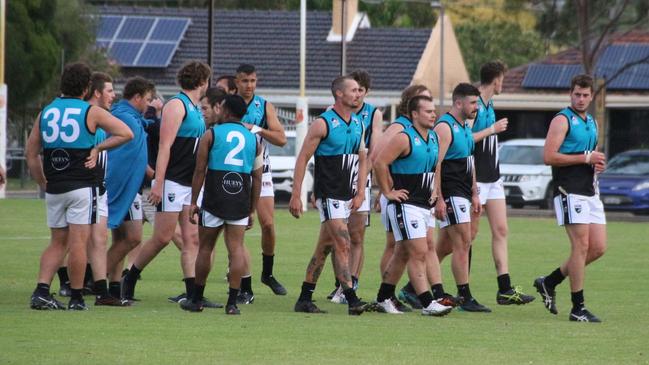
(282,162)
(527,180)
(624,185)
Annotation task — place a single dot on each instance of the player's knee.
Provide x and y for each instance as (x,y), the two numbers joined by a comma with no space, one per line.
(500,231)
(596,251)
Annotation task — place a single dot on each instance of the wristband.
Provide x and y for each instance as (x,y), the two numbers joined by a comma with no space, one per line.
(255,129)
(588,156)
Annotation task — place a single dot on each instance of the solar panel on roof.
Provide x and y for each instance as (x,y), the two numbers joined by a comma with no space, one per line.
(614,57)
(141,41)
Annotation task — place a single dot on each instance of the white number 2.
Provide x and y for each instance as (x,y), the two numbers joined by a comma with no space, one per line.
(229,158)
(53,123)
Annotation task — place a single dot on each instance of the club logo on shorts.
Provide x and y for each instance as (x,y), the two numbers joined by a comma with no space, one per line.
(578,208)
(232,183)
(136,205)
(335,204)
(60,159)
(171,197)
(414,224)
(463,208)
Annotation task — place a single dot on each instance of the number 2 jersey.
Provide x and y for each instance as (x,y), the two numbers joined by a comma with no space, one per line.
(229,171)
(182,155)
(66,142)
(336,157)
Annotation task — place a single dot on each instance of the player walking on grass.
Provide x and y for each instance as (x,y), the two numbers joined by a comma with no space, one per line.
(65,132)
(337,139)
(490,185)
(181,128)
(232,157)
(571,150)
(459,192)
(261,120)
(405,170)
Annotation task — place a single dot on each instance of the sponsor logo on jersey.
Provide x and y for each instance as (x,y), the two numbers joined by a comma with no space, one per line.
(456,128)
(60,159)
(574,120)
(232,183)
(335,123)
(417,141)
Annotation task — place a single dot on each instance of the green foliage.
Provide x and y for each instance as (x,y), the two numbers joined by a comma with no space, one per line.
(483,41)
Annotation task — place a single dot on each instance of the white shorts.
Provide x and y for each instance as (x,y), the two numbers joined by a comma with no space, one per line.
(579,209)
(174,196)
(102,205)
(491,191)
(458,211)
(148,209)
(267,188)
(74,207)
(383,202)
(135,211)
(209,220)
(409,221)
(333,209)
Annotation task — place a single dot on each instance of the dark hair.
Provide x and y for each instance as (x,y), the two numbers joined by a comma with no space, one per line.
(413,103)
(193,74)
(338,84)
(75,79)
(137,86)
(232,85)
(490,70)
(246,69)
(235,106)
(98,81)
(214,95)
(583,80)
(407,94)
(363,78)
(463,90)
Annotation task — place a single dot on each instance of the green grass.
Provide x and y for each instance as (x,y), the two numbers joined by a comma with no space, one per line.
(156,331)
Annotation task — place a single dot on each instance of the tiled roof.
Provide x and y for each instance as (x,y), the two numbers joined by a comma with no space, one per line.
(514,77)
(270,41)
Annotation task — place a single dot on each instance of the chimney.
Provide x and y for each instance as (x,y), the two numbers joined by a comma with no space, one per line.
(351,12)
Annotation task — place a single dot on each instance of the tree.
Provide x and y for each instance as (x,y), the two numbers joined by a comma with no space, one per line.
(482,41)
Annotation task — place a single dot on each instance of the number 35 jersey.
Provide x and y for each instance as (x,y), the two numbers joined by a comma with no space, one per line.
(66,143)
(229,168)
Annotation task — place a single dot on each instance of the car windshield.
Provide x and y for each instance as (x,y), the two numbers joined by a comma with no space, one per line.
(629,164)
(521,155)
(287,150)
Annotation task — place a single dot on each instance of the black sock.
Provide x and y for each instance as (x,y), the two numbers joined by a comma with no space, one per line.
(577,300)
(386,291)
(64,279)
(100,287)
(267,265)
(409,288)
(354,282)
(232,296)
(504,283)
(114,289)
(198,291)
(132,274)
(87,278)
(246,284)
(337,283)
(307,291)
(350,296)
(42,290)
(470,257)
(555,278)
(438,291)
(77,294)
(425,298)
(464,291)
(189,286)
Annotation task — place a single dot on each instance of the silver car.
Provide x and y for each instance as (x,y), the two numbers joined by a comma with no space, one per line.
(527,180)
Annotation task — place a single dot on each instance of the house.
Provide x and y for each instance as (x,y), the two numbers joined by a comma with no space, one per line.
(155,41)
(535,92)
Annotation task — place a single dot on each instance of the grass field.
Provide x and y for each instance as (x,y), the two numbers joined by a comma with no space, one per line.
(268,331)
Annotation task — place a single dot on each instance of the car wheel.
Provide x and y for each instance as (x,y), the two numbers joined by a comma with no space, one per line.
(548,201)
